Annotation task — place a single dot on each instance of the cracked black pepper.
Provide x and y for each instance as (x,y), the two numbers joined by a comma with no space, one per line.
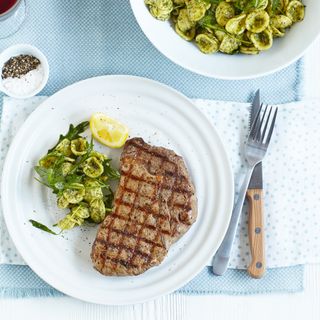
(18,66)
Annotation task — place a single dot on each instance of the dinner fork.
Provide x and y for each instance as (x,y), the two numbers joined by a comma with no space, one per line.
(254,151)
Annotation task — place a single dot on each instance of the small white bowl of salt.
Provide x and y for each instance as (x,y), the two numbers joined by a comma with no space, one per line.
(24,71)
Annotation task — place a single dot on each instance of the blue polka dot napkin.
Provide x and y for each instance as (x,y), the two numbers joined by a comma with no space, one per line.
(291,179)
(290,183)
(288,247)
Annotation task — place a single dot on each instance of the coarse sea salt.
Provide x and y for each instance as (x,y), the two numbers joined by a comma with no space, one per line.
(26,84)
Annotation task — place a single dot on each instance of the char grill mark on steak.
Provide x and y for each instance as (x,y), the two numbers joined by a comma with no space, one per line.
(154,206)
(138,239)
(174,188)
(133,251)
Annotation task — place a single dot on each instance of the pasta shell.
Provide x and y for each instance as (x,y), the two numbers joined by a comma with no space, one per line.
(224,12)
(236,25)
(257,21)
(207,43)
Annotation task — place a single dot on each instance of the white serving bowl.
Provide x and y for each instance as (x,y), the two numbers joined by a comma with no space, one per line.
(24,49)
(284,51)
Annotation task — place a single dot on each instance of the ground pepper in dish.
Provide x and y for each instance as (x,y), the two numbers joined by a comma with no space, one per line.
(20,65)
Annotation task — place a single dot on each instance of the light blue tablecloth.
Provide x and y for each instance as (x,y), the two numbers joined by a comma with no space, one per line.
(89,38)
(83,39)
(20,282)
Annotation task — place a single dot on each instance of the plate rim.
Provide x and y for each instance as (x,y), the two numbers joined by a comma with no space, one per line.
(15,143)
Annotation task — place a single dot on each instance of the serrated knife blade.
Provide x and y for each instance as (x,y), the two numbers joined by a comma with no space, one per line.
(256,181)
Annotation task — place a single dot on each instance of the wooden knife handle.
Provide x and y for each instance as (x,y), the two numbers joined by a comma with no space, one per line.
(257,266)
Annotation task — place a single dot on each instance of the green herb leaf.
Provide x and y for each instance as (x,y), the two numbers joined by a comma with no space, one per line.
(213,1)
(246,5)
(47,177)
(52,177)
(81,159)
(42,227)
(205,24)
(208,19)
(110,172)
(73,133)
(108,199)
(74,178)
(275,5)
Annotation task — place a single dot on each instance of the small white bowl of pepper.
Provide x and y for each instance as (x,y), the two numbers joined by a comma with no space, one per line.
(24,71)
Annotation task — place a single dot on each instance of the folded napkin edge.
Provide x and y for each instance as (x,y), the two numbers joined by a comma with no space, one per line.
(297,289)
(20,293)
(292,104)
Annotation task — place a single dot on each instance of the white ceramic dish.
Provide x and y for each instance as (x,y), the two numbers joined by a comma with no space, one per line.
(284,51)
(161,116)
(30,50)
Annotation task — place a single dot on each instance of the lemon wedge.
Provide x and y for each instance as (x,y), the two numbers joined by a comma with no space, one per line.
(108,131)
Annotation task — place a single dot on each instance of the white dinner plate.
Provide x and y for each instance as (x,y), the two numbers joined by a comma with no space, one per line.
(162,116)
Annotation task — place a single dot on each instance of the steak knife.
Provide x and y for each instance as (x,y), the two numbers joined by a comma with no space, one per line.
(257,266)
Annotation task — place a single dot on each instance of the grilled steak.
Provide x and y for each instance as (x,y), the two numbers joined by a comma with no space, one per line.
(155,204)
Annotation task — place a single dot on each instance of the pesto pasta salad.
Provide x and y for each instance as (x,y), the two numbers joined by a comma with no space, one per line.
(80,178)
(231,26)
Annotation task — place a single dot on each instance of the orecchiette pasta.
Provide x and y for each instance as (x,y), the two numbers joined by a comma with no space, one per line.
(178,2)
(229,45)
(97,210)
(186,35)
(80,178)
(257,21)
(295,11)
(75,193)
(237,25)
(79,146)
(207,43)
(66,167)
(64,147)
(48,161)
(93,167)
(160,9)
(196,9)
(277,33)
(220,34)
(232,26)
(263,40)
(224,12)
(62,202)
(280,21)
(248,50)
(184,22)
(101,157)
(93,191)
(75,217)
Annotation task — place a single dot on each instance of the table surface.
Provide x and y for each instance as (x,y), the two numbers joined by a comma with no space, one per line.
(278,306)
(304,305)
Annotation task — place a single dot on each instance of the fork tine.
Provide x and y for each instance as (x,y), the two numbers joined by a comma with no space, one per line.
(272,127)
(258,133)
(255,123)
(266,125)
